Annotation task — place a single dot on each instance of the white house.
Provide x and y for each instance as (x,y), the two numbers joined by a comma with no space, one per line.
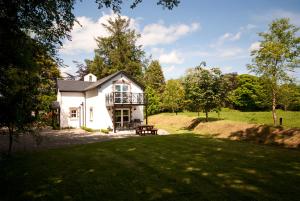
(116,101)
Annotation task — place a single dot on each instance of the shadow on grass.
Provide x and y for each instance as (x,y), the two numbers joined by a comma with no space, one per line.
(195,122)
(174,167)
(264,134)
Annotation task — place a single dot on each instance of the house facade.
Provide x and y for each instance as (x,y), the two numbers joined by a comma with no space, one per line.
(116,101)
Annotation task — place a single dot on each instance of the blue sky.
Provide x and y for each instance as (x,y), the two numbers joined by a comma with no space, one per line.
(222,33)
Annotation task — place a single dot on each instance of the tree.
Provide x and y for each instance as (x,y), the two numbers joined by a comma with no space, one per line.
(173,96)
(250,94)
(46,83)
(116,4)
(155,84)
(154,77)
(82,70)
(278,54)
(289,96)
(230,84)
(117,51)
(153,101)
(205,89)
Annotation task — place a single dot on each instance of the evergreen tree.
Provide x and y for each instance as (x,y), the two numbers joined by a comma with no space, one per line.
(118,51)
(154,77)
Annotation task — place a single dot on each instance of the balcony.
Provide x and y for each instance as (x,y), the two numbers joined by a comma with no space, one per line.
(125,98)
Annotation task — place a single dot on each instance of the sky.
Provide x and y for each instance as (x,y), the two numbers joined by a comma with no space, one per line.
(220,32)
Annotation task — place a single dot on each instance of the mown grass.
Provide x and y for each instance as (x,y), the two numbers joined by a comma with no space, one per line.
(174,167)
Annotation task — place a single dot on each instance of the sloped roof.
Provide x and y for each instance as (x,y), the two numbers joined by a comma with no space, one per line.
(72,85)
(81,86)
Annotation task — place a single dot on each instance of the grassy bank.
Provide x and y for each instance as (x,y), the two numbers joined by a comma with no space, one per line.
(175,167)
(178,123)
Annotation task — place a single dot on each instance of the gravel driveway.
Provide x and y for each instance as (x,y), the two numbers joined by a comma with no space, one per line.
(49,138)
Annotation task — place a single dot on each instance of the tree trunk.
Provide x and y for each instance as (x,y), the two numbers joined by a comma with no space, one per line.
(206,116)
(10,132)
(274,107)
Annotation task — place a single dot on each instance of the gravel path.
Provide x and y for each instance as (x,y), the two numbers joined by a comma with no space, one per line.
(49,138)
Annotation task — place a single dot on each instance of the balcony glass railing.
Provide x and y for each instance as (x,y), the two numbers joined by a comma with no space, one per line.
(125,98)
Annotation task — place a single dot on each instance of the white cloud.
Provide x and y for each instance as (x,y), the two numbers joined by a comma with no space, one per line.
(230,52)
(254,46)
(168,69)
(171,58)
(159,33)
(83,35)
(248,27)
(226,37)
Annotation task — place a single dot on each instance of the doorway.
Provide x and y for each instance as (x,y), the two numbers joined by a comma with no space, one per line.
(122,118)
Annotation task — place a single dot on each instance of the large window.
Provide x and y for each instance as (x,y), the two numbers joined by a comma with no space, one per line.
(121,95)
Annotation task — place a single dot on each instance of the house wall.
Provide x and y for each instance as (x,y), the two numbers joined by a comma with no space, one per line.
(108,88)
(95,98)
(69,100)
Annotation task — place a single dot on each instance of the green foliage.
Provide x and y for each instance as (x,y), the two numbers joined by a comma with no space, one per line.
(154,77)
(106,131)
(250,94)
(204,89)
(230,83)
(155,84)
(153,101)
(118,51)
(289,97)
(86,129)
(116,4)
(173,96)
(278,54)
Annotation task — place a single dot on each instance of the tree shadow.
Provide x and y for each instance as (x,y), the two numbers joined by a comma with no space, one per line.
(195,122)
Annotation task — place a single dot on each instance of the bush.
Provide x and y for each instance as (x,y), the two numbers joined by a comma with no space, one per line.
(86,129)
(106,131)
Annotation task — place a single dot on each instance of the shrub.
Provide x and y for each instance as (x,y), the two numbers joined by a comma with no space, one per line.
(106,131)
(86,129)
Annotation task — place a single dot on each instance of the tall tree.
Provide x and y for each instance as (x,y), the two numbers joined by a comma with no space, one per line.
(173,96)
(82,70)
(154,77)
(205,89)
(118,51)
(278,54)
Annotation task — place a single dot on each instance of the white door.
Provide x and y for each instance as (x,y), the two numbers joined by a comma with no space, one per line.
(122,118)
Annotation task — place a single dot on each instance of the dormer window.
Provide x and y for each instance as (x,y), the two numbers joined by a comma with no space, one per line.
(90,78)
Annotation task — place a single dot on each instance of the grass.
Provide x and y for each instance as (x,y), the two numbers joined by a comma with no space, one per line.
(176,123)
(174,167)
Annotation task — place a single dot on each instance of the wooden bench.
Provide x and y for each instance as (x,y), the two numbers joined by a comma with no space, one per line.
(145,129)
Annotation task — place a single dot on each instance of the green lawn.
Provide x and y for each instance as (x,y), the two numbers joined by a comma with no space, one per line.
(174,167)
(290,119)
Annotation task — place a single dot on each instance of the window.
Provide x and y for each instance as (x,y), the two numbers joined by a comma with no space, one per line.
(90,78)
(91,114)
(73,112)
(121,93)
